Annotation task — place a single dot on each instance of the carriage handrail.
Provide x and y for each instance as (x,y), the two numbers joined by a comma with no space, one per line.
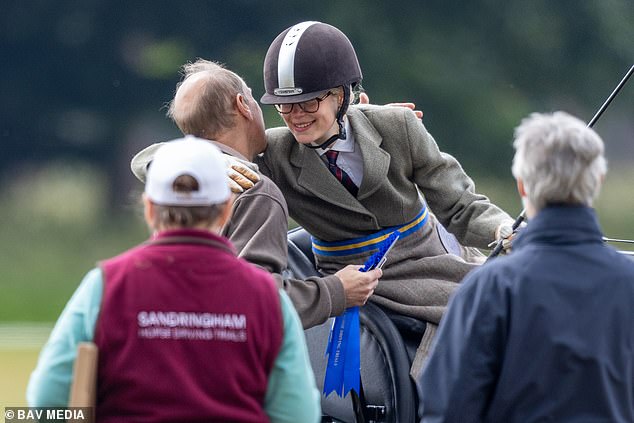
(626,241)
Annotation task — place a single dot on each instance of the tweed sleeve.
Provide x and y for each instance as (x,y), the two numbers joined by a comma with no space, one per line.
(449,191)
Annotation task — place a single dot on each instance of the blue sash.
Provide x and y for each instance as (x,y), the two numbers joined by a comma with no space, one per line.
(370,242)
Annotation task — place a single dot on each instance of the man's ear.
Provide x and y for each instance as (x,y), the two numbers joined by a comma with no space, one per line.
(243,106)
(520,188)
(148,211)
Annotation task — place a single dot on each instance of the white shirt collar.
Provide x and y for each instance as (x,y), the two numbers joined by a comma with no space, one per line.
(346,146)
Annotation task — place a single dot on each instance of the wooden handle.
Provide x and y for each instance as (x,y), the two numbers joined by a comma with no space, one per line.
(83,392)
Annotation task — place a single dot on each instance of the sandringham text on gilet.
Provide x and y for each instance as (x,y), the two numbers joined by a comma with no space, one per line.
(191,325)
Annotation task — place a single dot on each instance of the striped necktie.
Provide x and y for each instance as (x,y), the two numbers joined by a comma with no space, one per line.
(339,173)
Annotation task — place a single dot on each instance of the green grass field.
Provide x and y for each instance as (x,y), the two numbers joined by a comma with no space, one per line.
(15,367)
(19,349)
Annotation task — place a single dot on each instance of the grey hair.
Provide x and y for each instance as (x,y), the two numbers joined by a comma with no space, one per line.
(559,159)
(211,111)
(174,217)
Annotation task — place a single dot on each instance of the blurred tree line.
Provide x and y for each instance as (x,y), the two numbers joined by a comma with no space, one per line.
(87,81)
(84,84)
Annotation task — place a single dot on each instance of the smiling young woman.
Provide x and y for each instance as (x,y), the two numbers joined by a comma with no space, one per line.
(353,174)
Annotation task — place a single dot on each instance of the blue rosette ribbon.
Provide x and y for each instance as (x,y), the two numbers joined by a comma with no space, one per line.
(343,371)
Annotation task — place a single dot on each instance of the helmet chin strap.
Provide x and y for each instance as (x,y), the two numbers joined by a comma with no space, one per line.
(342,128)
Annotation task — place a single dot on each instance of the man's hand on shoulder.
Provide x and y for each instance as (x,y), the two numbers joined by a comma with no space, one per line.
(241,176)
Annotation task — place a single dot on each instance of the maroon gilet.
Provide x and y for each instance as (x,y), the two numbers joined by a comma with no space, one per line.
(187,332)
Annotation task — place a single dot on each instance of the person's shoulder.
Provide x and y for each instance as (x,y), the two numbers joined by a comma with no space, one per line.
(620,262)
(280,143)
(122,256)
(390,121)
(380,112)
(500,271)
(277,134)
(264,186)
(265,189)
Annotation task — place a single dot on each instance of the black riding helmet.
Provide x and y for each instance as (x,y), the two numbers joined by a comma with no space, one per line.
(305,61)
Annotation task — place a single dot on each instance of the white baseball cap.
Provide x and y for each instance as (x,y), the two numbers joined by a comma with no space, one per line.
(187,156)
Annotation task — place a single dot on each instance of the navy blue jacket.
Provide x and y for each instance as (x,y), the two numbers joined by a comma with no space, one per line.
(545,334)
